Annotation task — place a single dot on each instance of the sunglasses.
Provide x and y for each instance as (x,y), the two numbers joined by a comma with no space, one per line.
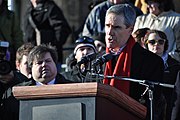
(85,40)
(152,42)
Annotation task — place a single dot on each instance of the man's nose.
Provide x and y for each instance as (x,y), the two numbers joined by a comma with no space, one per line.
(110,31)
(85,52)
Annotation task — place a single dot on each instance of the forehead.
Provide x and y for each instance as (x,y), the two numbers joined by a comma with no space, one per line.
(153,36)
(114,19)
(85,47)
(42,56)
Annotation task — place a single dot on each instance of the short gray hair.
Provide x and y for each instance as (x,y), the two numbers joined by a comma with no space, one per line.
(126,10)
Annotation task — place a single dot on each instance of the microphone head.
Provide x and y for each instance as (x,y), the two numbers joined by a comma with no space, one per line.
(107,57)
(103,59)
(87,58)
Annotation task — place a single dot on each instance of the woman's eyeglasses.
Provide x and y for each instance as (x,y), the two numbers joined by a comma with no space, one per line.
(152,42)
(85,40)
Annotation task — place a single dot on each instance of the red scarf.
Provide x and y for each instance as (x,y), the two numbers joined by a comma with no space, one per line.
(122,68)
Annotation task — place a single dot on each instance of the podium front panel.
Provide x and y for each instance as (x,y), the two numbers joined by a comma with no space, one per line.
(58,109)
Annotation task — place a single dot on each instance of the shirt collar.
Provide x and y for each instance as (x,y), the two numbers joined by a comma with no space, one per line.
(161,14)
(119,51)
(49,83)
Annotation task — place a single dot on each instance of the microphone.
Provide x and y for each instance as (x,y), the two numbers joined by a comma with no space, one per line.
(87,58)
(103,59)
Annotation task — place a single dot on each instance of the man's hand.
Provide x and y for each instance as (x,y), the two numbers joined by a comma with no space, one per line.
(7,78)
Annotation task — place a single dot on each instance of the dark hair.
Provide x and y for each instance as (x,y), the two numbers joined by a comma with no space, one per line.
(23,50)
(164,5)
(39,51)
(161,35)
(140,33)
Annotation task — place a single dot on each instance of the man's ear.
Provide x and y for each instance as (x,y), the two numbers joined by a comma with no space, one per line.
(17,65)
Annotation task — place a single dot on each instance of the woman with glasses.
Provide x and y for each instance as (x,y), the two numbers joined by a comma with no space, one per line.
(156,41)
(162,17)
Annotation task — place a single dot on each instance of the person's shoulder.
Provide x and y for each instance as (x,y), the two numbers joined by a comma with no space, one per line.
(143,16)
(173,13)
(60,79)
(146,54)
(21,79)
(66,74)
(173,61)
(101,6)
(20,76)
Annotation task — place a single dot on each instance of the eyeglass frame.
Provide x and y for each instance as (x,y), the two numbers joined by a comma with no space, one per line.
(156,41)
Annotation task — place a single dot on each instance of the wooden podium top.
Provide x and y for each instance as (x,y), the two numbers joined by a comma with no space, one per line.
(81,90)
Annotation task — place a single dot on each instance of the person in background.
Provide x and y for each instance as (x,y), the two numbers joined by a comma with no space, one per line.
(42,62)
(77,73)
(21,59)
(162,17)
(139,36)
(10,30)
(94,23)
(130,59)
(9,78)
(156,41)
(44,23)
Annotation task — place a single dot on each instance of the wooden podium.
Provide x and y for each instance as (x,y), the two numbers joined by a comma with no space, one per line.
(81,101)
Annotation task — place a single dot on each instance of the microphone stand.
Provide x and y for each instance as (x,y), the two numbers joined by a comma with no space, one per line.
(149,87)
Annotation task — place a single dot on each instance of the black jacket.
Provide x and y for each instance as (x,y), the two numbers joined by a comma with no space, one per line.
(146,65)
(9,109)
(176,100)
(170,76)
(51,23)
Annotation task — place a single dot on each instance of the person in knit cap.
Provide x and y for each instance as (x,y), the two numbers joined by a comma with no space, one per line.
(76,71)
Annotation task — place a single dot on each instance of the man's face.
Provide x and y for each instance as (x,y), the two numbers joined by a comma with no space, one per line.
(23,66)
(82,51)
(153,8)
(44,69)
(117,34)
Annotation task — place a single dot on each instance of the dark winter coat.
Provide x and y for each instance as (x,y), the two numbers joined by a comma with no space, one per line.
(51,23)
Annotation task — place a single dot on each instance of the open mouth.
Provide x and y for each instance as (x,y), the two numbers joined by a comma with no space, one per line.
(110,39)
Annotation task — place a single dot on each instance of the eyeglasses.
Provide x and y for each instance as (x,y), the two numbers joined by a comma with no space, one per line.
(152,42)
(85,39)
